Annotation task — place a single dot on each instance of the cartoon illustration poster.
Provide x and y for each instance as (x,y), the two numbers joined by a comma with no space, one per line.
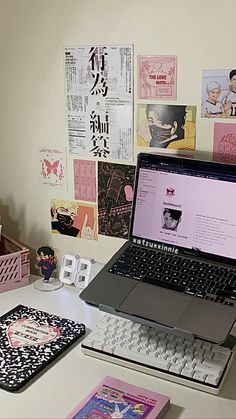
(85,180)
(224,147)
(51,162)
(166,126)
(73,218)
(99,95)
(218,94)
(115,195)
(157,77)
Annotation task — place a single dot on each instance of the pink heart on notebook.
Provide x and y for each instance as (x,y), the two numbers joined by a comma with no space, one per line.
(27,332)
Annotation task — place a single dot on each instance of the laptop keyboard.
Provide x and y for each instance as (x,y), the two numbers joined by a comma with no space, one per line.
(188,361)
(200,279)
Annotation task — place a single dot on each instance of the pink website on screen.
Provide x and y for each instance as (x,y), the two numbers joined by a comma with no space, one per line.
(186,211)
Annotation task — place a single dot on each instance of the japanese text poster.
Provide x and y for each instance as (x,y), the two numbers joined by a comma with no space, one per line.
(166,126)
(52,167)
(218,94)
(75,219)
(157,77)
(99,90)
(115,195)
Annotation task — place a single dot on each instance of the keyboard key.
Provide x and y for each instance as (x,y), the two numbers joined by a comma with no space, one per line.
(226,294)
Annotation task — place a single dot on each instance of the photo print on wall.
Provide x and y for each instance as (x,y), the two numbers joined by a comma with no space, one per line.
(218,93)
(73,218)
(166,126)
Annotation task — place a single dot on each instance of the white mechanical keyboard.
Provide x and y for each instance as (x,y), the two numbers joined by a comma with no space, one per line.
(192,362)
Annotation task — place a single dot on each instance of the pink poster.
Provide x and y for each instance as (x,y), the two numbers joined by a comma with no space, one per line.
(85,180)
(157,77)
(52,170)
(224,148)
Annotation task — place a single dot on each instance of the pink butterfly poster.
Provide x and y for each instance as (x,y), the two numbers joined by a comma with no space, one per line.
(52,167)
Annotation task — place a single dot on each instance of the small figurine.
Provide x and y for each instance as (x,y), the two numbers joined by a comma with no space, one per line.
(46,262)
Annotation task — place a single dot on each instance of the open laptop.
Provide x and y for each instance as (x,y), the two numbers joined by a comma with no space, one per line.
(178,268)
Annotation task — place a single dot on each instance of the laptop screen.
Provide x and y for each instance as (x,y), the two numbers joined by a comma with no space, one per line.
(189,205)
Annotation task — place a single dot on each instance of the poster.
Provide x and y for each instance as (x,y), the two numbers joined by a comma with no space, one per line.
(218,93)
(51,163)
(99,93)
(75,219)
(85,180)
(166,126)
(157,77)
(224,145)
(115,195)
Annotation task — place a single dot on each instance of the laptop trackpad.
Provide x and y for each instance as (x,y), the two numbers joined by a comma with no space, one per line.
(155,303)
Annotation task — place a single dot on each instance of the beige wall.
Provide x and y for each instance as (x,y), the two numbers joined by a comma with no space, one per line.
(33,34)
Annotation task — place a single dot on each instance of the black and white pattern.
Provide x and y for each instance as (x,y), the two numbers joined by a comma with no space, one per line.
(20,362)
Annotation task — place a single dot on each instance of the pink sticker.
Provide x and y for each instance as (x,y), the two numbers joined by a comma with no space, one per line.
(26,332)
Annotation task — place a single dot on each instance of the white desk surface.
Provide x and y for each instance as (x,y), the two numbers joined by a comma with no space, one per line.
(58,389)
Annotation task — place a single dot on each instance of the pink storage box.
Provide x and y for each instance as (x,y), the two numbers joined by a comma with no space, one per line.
(14,264)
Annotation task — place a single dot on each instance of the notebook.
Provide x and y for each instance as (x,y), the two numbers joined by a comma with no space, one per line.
(29,340)
(183,236)
(116,399)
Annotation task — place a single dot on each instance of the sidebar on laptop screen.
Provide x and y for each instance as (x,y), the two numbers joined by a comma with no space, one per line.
(190,210)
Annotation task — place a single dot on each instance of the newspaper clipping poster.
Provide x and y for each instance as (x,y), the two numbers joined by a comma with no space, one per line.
(99,93)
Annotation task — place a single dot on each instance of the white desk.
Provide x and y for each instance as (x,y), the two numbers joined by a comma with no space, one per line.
(59,388)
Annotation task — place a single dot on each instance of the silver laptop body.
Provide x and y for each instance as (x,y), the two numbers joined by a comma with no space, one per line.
(178,269)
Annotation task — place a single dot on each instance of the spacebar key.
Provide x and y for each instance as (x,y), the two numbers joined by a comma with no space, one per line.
(169,285)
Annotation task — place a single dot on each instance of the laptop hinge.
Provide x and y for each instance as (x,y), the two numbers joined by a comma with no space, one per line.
(146,322)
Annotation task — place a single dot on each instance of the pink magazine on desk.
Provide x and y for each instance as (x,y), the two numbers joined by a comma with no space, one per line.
(113,398)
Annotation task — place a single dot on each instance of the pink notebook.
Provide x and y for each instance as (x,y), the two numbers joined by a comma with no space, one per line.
(113,399)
